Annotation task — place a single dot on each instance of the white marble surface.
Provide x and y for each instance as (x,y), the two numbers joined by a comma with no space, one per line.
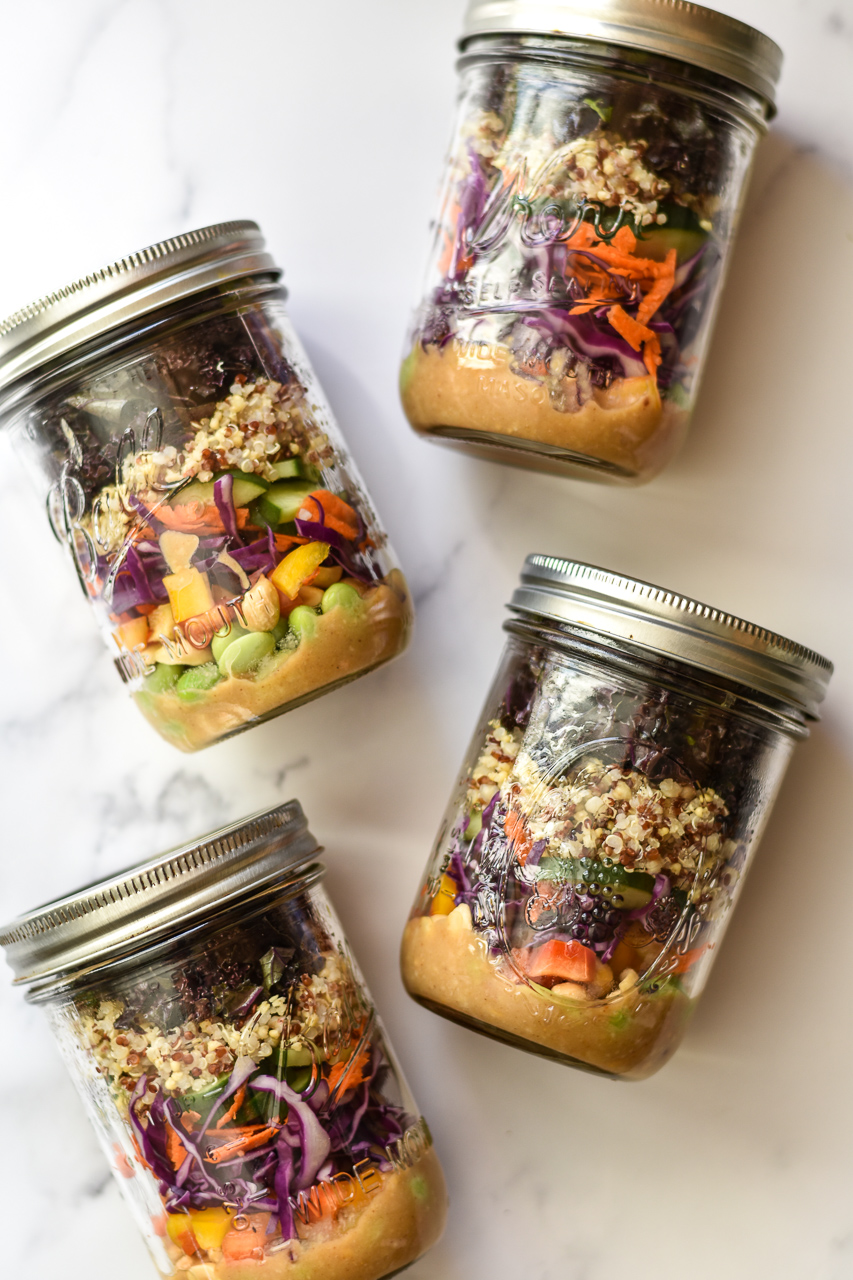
(130,120)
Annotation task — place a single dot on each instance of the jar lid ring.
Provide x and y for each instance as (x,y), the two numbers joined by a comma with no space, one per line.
(142,906)
(170,271)
(676,29)
(670,625)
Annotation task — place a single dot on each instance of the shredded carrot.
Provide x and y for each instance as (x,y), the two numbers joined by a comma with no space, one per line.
(655,281)
(176,1152)
(331,511)
(634,333)
(138,1150)
(123,1165)
(446,260)
(247,1137)
(583,237)
(637,335)
(659,291)
(518,836)
(353,1071)
(284,541)
(239,1099)
(189,1120)
(198,517)
(652,356)
(625,241)
(688,959)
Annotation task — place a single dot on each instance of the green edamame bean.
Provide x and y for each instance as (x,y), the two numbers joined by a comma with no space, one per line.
(163,678)
(303,622)
(246,652)
(197,680)
(280,630)
(224,638)
(341,593)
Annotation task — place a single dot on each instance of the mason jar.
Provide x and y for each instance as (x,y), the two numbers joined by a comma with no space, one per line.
(624,765)
(187,459)
(230,1058)
(592,193)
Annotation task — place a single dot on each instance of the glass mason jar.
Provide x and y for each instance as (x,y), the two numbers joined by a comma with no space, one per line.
(592,193)
(626,759)
(188,460)
(230,1058)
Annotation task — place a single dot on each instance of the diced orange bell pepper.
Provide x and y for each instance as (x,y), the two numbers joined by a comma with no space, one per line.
(687,959)
(571,961)
(241,1244)
(132,635)
(445,899)
(298,567)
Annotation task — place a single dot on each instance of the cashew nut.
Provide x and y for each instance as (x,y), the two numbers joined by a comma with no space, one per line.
(260,606)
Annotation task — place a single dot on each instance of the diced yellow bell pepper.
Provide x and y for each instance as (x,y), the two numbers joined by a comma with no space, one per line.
(189,593)
(210,1226)
(132,635)
(445,899)
(298,566)
(180,1231)
(162,622)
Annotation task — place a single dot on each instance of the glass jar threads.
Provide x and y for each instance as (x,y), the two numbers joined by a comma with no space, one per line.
(230,1057)
(593,191)
(188,460)
(627,757)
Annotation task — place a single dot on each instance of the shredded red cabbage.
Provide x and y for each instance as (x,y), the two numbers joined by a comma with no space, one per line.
(313,1138)
(223,496)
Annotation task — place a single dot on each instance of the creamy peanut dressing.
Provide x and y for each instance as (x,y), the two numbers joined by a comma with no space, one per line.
(445,963)
(378,1235)
(626,424)
(346,644)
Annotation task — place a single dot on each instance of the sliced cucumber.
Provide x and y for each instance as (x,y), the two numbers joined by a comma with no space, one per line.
(203,1099)
(282,501)
(289,469)
(681,232)
(591,871)
(245,488)
(195,491)
(658,241)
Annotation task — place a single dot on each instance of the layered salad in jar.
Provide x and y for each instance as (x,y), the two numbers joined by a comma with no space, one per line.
(252,1106)
(576,262)
(575,901)
(221,531)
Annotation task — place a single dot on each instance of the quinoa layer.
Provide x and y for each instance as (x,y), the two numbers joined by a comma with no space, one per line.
(346,644)
(627,425)
(385,1233)
(445,963)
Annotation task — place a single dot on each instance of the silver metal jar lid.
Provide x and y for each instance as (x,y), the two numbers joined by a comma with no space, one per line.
(138,284)
(139,908)
(610,605)
(673,28)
